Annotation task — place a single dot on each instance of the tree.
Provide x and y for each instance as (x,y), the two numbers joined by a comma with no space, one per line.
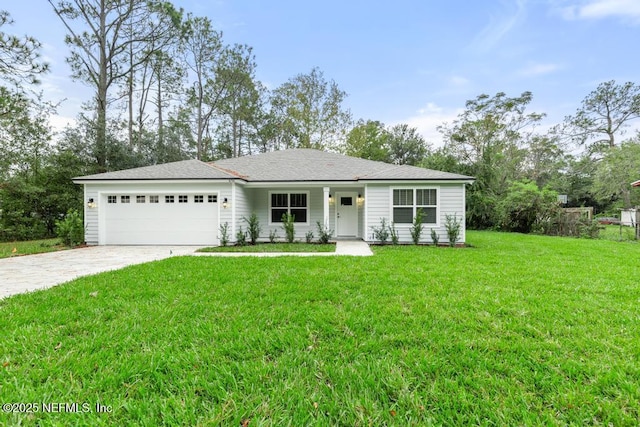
(240,107)
(489,139)
(309,112)
(406,145)
(525,205)
(604,113)
(19,58)
(108,40)
(368,140)
(543,160)
(619,167)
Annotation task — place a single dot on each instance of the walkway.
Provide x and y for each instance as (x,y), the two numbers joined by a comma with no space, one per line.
(343,247)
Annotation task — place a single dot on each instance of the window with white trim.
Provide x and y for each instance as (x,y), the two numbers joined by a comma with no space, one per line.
(198,198)
(169,199)
(125,199)
(154,199)
(296,204)
(112,199)
(141,199)
(183,199)
(212,198)
(408,202)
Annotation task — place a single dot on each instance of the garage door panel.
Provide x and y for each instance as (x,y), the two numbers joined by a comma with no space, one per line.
(161,223)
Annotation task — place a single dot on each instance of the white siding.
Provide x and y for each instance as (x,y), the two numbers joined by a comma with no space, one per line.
(259,203)
(451,201)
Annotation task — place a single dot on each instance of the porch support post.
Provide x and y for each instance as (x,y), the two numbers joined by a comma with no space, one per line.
(325,204)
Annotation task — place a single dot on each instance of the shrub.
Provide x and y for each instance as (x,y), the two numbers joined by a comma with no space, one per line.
(71,229)
(381,234)
(435,237)
(562,224)
(394,234)
(453,226)
(324,234)
(253,227)
(416,227)
(224,234)
(308,237)
(241,237)
(289,227)
(525,206)
(273,235)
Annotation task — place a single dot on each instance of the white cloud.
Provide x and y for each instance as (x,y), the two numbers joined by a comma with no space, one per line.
(427,119)
(598,9)
(537,69)
(458,81)
(59,123)
(499,27)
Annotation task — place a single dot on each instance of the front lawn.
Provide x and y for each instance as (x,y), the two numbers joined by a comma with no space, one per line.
(274,247)
(517,330)
(8,249)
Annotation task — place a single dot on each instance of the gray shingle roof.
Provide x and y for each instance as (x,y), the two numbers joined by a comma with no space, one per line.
(280,166)
(186,169)
(314,165)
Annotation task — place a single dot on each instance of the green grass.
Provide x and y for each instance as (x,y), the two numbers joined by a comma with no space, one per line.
(30,247)
(517,330)
(618,234)
(274,247)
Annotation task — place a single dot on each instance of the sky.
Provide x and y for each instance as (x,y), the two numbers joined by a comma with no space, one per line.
(407,61)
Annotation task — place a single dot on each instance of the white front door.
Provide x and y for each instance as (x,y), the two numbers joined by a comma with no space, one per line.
(346,214)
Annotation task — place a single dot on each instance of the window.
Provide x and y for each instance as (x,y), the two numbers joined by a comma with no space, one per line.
(112,199)
(169,199)
(154,199)
(183,199)
(293,203)
(141,199)
(212,198)
(407,202)
(125,199)
(346,201)
(198,199)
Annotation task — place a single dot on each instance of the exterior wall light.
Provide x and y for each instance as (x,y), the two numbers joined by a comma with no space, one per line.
(91,204)
(225,203)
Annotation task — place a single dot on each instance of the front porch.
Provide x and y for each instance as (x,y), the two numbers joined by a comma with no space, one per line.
(340,208)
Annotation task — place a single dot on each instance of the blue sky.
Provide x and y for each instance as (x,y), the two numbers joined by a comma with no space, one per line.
(406,61)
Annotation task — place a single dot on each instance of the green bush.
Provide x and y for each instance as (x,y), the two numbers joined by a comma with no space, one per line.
(241,238)
(309,236)
(525,206)
(273,235)
(71,229)
(224,234)
(289,227)
(381,234)
(324,233)
(435,237)
(253,227)
(395,239)
(453,226)
(416,227)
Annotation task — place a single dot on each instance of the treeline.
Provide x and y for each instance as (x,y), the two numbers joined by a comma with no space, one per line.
(168,87)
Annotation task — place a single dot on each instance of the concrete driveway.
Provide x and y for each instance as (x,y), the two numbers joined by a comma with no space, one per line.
(31,272)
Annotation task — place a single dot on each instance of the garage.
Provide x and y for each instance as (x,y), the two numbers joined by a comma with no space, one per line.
(160,219)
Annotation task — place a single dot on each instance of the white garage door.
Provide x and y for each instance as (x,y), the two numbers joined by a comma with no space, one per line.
(161,219)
